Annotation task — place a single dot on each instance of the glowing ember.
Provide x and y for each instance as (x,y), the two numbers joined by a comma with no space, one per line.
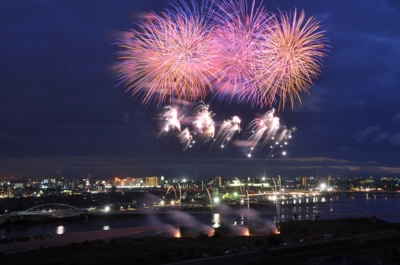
(177,233)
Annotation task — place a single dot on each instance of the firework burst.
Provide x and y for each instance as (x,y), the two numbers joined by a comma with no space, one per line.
(292,57)
(236,43)
(236,50)
(167,58)
(230,48)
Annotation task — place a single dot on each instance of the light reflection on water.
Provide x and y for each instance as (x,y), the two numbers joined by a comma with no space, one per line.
(216,220)
(60,230)
(384,206)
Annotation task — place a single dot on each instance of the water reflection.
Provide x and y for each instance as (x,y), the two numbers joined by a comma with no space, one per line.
(216,219)
(60,230)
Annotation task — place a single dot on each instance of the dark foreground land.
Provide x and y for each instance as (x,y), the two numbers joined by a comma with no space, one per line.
(298,243)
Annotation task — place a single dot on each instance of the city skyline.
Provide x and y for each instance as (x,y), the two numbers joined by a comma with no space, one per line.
(63,111)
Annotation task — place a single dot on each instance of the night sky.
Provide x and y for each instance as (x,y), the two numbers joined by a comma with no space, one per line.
(62,111)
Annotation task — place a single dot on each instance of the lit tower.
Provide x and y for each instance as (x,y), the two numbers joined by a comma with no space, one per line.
(329,178)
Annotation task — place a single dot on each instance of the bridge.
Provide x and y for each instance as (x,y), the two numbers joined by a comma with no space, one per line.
(58,210)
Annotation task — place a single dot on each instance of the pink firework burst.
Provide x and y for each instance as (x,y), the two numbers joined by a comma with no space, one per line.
(237,39)
(168,57)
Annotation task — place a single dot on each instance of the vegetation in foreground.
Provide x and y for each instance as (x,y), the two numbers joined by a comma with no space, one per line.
(297,243)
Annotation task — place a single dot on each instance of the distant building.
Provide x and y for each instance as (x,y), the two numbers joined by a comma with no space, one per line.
(304,181)
(218,181)
(19,185)
(151,181)
(100,188)
(67,183)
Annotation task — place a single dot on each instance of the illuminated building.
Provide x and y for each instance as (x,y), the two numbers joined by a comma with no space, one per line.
(151,181)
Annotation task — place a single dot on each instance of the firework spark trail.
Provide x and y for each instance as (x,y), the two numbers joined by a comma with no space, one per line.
(204,127)
(281,140)
(170,121)
(284,134)
(265,129)
(227,130)
(292,57)
(236,43)
(186,139)
(168,58)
